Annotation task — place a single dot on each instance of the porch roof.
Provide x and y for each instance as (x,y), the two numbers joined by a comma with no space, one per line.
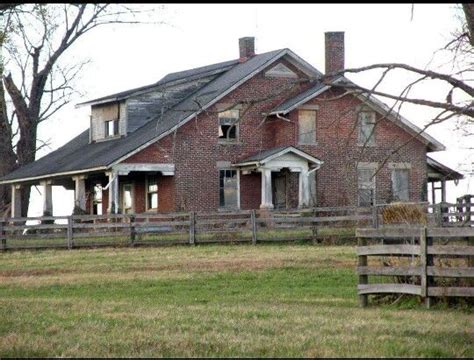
(265,156)
(438,171)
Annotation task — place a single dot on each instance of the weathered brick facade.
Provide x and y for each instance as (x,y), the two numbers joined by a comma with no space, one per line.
(195,149)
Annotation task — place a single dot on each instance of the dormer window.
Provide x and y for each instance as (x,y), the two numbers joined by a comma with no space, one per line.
(111,128)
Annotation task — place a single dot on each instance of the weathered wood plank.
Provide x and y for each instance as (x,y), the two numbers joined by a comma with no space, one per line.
(100,226)
(451,250)
(222,221)
(451,271)
(254,227)
(192,228)
(451,232)
(388,250)
(388,288)
(389,270)
(313,219)
(363,278)
(385,232)
(451,291)
(35,227)
(423,259)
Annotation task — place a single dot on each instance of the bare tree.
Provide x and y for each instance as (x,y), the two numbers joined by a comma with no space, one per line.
(38,83)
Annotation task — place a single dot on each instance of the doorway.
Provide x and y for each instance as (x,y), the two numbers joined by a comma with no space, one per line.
(279,190)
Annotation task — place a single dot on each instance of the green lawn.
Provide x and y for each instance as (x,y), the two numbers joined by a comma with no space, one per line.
(264,300)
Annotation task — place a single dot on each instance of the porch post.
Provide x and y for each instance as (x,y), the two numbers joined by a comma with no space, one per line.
(16,201)
(80,191)
(47,197)
(113,206)
(443,190)
(303,189)
(267,201)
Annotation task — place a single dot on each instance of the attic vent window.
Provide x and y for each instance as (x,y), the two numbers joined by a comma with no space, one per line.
(366,128)
(280,70)
(228,126)
(111,128)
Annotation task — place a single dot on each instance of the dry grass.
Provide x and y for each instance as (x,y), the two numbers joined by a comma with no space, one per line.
(258,301)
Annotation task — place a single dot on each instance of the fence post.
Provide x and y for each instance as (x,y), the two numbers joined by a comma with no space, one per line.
(363,279)
(70,238)
(192,227)
(254,227)
(3,236)
(423,261)
(132,230)
(429,279)
(375,216)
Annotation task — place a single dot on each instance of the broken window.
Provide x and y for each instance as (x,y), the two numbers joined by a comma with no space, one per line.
(307,126)
(366,186)
(366,128)
(152,193)
(228,189)
(111,128)
(400,184)
(229,125)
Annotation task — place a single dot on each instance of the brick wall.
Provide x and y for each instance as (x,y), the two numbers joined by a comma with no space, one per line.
(195,149)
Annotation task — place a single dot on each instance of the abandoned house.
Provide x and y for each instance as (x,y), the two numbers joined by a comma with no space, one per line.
(256,132)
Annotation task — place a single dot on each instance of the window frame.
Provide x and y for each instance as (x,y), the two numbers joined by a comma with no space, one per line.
(225,140)
(361,140)
(367,167)
(221,189)
(96,201)
(147,192)
(313,141)
(405,170)
(115,128)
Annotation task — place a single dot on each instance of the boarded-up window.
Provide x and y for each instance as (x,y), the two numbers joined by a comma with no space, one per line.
(307,126)
(401,184)
(366,186)
(152,193)
(229,125)
(366,128)
(228,189)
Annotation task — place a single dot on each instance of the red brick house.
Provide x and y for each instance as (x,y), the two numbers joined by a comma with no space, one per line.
(257,132)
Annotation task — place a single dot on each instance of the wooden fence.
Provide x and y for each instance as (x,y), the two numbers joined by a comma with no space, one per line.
(191,228)
(418,263)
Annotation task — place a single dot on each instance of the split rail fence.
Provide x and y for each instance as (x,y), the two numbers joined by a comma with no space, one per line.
(429,262)
(191,228)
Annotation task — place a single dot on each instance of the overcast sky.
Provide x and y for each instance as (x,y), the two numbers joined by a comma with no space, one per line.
(124,56)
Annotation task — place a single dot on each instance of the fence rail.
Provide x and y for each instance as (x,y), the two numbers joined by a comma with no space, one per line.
(182,228)
(421,247)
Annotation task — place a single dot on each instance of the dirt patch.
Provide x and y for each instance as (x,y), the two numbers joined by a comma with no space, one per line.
(33,272)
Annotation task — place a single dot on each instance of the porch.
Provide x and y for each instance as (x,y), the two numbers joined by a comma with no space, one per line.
(126,188)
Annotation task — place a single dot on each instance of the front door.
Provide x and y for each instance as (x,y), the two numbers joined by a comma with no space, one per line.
(279,190)
(127,198)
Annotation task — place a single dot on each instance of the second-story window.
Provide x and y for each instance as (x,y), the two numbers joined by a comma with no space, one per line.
(229,126)
(366,128)
(111,128)
(306,127)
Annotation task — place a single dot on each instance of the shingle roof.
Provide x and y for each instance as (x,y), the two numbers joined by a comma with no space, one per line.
(261,155)
(79,154)
(186,75)
(445,172)
(266,155)
(292,103)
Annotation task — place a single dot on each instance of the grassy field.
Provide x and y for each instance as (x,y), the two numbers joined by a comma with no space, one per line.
(266,300)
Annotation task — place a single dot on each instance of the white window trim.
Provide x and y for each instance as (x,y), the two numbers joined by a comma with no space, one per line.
(147,206)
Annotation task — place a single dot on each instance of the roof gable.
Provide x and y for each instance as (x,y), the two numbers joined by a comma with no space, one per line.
(374,103)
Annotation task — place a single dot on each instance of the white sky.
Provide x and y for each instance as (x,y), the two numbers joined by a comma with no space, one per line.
(124,56)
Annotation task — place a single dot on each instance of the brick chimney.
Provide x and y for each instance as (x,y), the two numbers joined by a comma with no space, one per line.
(246,48)
(334,51)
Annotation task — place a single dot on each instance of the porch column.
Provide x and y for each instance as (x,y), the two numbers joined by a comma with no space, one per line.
(443,190)
(80,191)
(113,187)
(303,189)
(267,202)
(16,201)
(47,197)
